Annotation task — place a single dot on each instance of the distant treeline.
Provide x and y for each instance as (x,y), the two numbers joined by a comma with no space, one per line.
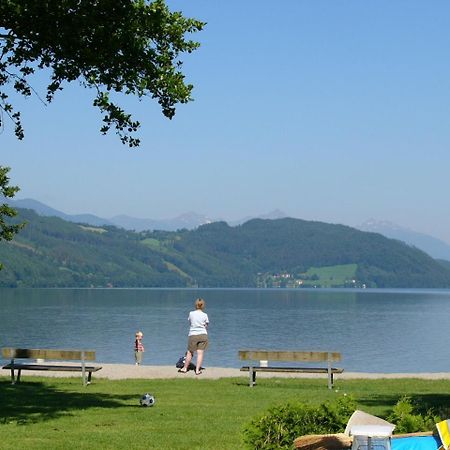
(51,252)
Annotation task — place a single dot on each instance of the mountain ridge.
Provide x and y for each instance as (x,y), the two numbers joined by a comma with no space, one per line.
(188,220)
(435,247)
(52,252)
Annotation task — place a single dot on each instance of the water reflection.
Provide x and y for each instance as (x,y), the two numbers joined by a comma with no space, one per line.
(377,331)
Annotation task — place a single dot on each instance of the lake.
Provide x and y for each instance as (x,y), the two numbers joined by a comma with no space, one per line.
(375,330)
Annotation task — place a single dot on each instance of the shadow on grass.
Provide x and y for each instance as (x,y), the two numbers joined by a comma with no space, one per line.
(35,401)
(433,401)
(437,402)
(297,386)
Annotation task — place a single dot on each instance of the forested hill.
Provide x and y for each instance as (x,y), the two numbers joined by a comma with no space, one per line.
(266,253)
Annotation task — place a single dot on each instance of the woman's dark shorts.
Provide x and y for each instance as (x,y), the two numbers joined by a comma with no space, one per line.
(197,342)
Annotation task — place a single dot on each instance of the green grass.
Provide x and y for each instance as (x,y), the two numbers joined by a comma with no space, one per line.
(59,413)
(330,276)
(154,244)
(174,268)
(161,247)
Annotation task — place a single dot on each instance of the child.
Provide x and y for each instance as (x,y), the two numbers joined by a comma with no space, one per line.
(138,348)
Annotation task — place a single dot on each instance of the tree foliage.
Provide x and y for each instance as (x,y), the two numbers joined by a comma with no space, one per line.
(121,46)
(7,230)
(52,252)
(278,427)
(113,47)
(409,416)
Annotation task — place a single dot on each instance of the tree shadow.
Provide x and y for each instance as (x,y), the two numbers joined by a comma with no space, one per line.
(297,385)
(36,401)
(385,400)
(423,403)
(440,403)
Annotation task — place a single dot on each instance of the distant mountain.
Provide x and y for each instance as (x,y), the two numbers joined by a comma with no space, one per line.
(40,208)
(45,210)
(433,246)
(272,215)
(436,248)
(51,252)
(188,221)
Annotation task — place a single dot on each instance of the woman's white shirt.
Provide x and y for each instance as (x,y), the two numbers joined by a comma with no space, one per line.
(199,322)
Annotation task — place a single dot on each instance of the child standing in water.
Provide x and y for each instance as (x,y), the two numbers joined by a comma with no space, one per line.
(138,348)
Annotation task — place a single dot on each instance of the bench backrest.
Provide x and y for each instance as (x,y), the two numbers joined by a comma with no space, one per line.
(283,355)
(32,353)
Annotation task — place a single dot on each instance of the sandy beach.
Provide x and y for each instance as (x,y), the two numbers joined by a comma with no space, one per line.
(129,371)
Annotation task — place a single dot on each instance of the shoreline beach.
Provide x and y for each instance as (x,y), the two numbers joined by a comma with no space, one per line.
(131,371)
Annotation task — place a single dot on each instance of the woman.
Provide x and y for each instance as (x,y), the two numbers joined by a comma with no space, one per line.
(198,336)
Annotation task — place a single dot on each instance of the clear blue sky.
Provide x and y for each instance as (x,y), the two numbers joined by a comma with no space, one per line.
(336,111)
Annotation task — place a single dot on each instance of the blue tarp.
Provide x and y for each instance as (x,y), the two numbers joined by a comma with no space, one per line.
(416,443)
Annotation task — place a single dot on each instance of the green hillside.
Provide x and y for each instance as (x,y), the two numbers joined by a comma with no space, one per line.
(267,253)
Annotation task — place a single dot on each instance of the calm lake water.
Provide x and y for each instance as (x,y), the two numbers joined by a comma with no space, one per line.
(376,330)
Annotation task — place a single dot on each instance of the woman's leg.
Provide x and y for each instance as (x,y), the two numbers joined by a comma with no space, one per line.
(199,361)
(187,361)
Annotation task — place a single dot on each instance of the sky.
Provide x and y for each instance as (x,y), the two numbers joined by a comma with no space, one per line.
(336,111)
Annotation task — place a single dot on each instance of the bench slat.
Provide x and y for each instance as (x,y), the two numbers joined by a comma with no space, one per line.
(283,355)
(68,355)
(52,367)
(292,369)
(21,354)
(325,357)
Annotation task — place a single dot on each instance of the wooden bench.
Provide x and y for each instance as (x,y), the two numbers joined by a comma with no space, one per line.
(264,356)
(40,355)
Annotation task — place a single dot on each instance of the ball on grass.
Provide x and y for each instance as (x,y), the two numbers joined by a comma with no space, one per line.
(147,400)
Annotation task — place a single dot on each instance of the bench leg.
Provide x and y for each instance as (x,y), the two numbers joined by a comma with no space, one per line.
(330,380)
(86,378)
(15,379)
(83,369)
(251,376)
(330,373)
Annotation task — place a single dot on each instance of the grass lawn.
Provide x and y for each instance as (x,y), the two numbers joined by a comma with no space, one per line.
(59,413)
(330,276)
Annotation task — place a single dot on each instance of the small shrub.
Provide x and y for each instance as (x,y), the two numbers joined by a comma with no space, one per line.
(280,425)
(408,420)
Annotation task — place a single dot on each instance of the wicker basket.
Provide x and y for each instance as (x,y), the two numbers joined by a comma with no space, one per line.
(338,441)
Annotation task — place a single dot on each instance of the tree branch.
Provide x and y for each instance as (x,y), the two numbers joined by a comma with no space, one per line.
(23,80)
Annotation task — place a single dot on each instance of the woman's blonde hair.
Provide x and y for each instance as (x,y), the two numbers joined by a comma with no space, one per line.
(199,303)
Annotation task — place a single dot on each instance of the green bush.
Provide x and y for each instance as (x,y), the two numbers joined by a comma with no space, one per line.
(407,419)
(280,425)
